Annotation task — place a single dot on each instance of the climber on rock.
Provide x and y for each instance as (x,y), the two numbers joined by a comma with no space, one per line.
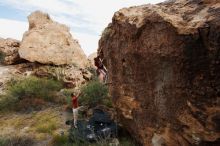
(101,75)
(101,69)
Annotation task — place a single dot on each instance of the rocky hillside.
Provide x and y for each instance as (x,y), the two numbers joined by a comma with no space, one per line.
(164,63)
(49,42)
(46,50)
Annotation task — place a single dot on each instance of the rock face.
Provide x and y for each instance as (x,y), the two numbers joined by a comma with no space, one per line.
(49,42)
(9,51)
(91,58)
(163,64)
(71,76)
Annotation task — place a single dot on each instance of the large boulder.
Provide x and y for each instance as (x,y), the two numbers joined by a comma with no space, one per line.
(9,51)
(163,64)
(49,42)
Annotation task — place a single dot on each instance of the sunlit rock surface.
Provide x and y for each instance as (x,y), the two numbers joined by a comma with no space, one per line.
(49,42)
(9,51)
(164,71)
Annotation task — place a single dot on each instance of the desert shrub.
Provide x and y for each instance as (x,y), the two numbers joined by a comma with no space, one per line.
(93,93)
(33,87)
(127,142)
(26,93)
(68,99)
(3,141)
(58,73)
(30,104)
(60,140)
(67,92)
(107,102)
(6,102)
(16,141)
(2,57)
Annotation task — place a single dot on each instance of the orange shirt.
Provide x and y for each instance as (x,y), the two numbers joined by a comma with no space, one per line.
(75,102)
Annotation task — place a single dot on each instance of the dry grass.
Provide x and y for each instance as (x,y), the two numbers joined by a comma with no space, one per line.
(17,141)
(47,127)
(40,125)
(60,140)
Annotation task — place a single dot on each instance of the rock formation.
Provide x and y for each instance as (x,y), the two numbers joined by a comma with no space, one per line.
(71,76)
(91,58)
(9,51)
(49,42)
(164,71)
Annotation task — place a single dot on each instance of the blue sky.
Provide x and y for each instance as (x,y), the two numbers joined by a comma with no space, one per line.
(86,18)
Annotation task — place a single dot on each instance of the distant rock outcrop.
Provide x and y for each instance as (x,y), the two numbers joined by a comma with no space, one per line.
(49,42)
(9,51)
(164,71)
(91,58)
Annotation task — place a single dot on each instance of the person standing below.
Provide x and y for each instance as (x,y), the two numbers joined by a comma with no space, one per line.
(75,108)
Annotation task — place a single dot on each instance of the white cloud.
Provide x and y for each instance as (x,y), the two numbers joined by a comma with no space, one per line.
(12,28)
(86,18)
(100,12)
(89,43)
(51,6)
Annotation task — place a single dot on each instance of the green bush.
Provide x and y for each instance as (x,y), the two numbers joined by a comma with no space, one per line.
(29,88)
(3,141)
(93,93)
(33,87)
(16,141)
(60,140)
(67,93)
(126,142)
(107,102)
(2,57)
(6,102)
